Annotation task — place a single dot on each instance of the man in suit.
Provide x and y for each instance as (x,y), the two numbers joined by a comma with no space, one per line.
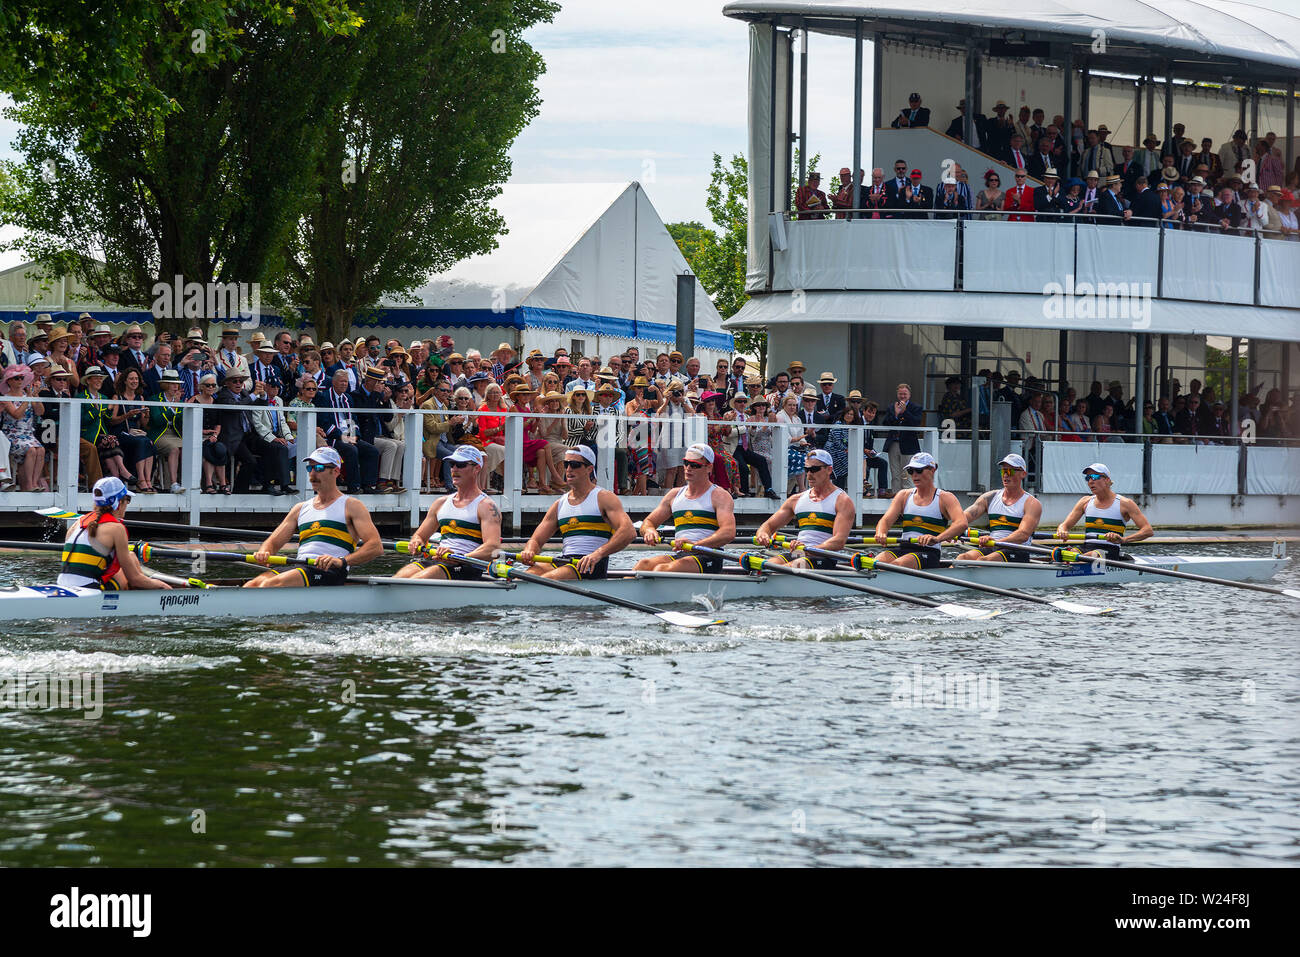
(949,199)
(1175,145)
(1234,154)
(957,128)
(1186,162)
(1041,161)
(237,428)
(1100,154)
(373,394)
(1148,158)
(901,446)
(1091,195)
(1128,169)
(1019,200)
(830,404)
(1047,198)
(895,188)
(1210,159)
(916,199)
(1111,207)
(1146,207)
(998,131)
(1015,155)
(133,356)
(843,199)
(874,197)
(360,459)
(1022,126)
(152,378)
(1227,213)
(915,116)
(271,438)
(1196,204)
(264,366)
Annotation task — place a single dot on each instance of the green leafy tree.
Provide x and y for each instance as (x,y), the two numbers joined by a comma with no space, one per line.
(391,207)
(189,148)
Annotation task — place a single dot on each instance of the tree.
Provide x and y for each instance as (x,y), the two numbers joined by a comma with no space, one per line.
(187,149)
(391,207)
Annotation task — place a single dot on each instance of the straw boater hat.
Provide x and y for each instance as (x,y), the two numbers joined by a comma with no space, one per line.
(640,382)
(809,393)
(234,331)
(44,317)
(101,330)
(194,335)
(266,347)
(58,334)
(1112,180)
(84,316)
(305,341)
(506,347)
(536,354)
(674,354)
(1092,174)
(38,334)
(827,377)
(552,397)
(455,357)
(170,375)
(855,394)
(796,364)
(327,347)
(1050,173)
(607,373)
(607,389)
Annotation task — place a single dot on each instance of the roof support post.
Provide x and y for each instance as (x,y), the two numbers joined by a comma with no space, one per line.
(857,119)
(1163,385)
(787,146)
(1290,125)
(771,128)
(1150,87)
(968,119)
(803,103)
(1254,117)
(1140,377)
(877,82)
(1067,77)
(1137,112)
(1084,78)
(1167,145)
(1232,403)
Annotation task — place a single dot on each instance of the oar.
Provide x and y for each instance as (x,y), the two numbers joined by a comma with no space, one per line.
(757,563)
(500,569)
(861,562)
(1071,555)
(147,553)
(58,547)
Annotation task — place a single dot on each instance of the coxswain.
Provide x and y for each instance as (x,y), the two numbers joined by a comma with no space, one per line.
(97,551)
(1013,514)
(702,513)
(1105,515)
(329,526)
(589,519)
(824,515)
(929,517)
(467,521)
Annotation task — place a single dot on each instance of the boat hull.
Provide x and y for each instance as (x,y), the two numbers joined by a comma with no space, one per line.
(659,589)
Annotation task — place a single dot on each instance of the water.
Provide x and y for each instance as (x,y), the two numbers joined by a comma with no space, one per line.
(798,735)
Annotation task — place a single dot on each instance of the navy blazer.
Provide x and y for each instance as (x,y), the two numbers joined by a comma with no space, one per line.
(909,443)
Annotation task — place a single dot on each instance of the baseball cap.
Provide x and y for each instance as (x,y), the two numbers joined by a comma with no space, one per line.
(466,453)
(820,455)
(585,451)
(1098,468)
(922,460)
(326,456)
(702,450)
(1015,461)
(110,490)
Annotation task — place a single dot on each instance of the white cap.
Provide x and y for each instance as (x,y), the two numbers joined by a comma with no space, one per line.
(110,490)
(820,455)
(466,453)
(702,450)
(1015,461)
(1098,468)
(326,456)
(922,460)
(585,451)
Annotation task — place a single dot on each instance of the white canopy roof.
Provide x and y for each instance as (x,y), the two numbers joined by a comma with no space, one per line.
(1203,28)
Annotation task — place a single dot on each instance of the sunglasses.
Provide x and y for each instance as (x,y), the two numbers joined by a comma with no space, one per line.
(317,467)
(695,465)
(1093,476)
(913,471)
(460,465)
(570,464)
(813,468)
(1008,471)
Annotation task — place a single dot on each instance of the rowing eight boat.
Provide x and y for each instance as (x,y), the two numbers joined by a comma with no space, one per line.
(379,596)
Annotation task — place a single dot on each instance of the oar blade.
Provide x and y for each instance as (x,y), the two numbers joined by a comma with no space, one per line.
(683,620)
(965,611)
(57,513)
(1076,608)
(1291,592)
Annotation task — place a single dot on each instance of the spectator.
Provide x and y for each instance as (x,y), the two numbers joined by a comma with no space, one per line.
(792,420)
(915,200)
(1161,419)
(1041,159)
(1188,421)
(957,128)
(1289,225)
(1032,428)
(166,431)
(129,421)
(739,444)
(1072,201)
(809,200)
(759,454)
(899,445)
(874,197)
(1075,425)
(875,462)
(948,199)
(1047,198)
(914,116)
(1255,213)
(671,445)
(1111,208)
(843,199)
(640,448)
(1272,168)
(1196,205)
(18,413)
(1185,162)
(215,456)
(1014,155)
(1148,158)
(955,406)
(895,189)
(1226,214)
(990,197)
(271,440)
(999,130)
(1146,206)
(837,444)
(1020,202)
(1234,155)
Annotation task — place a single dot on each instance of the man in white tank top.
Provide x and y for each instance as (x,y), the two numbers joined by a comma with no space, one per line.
(930,516)
(595,526)
(468,522)
(702,513)
(1003,507)
(332,563)
(824,514)
(1106,515)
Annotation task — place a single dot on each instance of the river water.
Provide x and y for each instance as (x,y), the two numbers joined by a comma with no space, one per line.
(802,733)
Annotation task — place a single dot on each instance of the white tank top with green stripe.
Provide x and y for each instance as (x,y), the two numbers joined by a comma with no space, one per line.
(582,526)
(816,520)
(460,528)
(921,520)
(1097,521)
(694,519)
(1004,518)
(324,531)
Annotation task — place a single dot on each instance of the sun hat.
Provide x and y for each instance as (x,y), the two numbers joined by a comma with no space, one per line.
(17,372)
(1015,461)
(466,453)
(326,456)
(700,449)
(820,455)
(585,451)
(110,490)
(1098,468)
(921,460)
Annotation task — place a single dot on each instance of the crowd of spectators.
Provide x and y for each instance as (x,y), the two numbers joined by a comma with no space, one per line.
(662,402)
(1239,189)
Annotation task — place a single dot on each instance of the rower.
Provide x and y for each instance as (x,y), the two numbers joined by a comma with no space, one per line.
(329,526)
(590,519)
(930,516)
(468,521)
(823,513)
(1013,514)
(97,551)
(1106,515)
(702,513)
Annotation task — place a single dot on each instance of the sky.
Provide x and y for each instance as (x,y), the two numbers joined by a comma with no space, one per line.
(650,91)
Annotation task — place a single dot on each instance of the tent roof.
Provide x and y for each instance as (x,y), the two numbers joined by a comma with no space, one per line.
(1197,30)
